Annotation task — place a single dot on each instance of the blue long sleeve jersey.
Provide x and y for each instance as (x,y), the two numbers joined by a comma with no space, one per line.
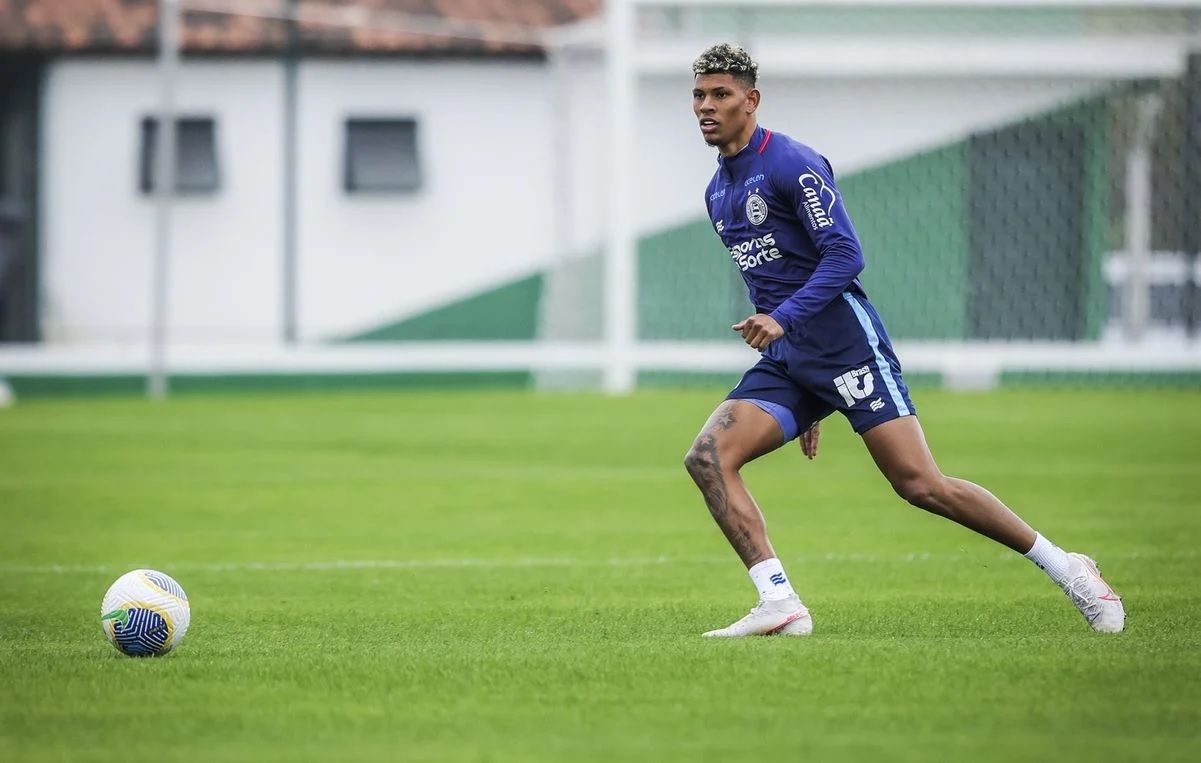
(776,208)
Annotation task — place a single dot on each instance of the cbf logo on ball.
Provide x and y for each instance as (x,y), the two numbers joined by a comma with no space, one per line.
(145,613)
(819,199)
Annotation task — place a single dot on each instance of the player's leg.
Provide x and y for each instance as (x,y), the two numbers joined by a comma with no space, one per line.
(887,422)
(739,431)
(900,451)
(736,433)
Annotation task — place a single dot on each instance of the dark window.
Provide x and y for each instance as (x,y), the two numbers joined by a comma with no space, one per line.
(196,168)
(381,155)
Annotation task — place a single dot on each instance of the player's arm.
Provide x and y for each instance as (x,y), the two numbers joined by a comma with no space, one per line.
(809,185)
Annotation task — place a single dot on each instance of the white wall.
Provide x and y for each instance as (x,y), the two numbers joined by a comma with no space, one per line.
(859,123)
(363,259)
(856,123)
(481,218)
(486,214)
(99,228)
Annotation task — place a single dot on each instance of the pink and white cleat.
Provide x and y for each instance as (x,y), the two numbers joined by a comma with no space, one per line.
(1099,603)
(785,617)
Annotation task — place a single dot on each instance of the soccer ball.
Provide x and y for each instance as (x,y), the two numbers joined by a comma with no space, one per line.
(145,613)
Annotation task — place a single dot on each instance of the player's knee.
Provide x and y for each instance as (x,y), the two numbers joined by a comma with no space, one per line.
(706,460)
(924,491)
(701,461)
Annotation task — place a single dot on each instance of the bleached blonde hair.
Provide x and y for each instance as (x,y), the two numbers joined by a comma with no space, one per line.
(727,58)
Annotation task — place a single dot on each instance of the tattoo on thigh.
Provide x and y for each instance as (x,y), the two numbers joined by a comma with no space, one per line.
(725,418)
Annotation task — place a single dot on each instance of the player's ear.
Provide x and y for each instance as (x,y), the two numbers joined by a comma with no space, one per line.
(752,100)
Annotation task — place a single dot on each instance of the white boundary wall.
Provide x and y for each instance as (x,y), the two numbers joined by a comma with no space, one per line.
(368,261)
(966,365)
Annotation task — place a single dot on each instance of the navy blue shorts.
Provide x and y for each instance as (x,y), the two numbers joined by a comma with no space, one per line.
(841,360)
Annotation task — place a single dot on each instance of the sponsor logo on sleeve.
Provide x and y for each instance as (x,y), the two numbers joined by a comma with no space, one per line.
(818,199)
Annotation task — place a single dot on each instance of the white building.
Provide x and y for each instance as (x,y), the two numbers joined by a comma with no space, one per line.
(452,188)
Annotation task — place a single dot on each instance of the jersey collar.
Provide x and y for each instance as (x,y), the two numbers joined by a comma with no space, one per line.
(739,161)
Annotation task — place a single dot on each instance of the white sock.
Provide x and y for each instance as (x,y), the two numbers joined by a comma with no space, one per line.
(1050,558)
(768,576)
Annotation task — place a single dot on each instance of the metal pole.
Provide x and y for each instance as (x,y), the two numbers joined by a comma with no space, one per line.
(291,66)
(1137,307)
(1191,225)
(621,287)
(556,318)
(561,173)
(164,191)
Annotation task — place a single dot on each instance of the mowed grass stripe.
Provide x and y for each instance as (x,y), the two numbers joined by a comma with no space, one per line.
(387,564)
(514,577)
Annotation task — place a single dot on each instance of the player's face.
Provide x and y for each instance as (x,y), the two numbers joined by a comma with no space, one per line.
(725,109)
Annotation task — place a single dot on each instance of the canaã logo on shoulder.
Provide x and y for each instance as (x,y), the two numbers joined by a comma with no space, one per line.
(819,199)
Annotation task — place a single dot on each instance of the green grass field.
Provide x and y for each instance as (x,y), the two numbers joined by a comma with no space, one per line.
(508,577)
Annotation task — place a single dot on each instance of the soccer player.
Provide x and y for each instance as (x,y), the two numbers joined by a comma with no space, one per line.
(774,204)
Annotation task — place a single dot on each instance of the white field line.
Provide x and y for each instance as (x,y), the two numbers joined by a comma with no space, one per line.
(534,562)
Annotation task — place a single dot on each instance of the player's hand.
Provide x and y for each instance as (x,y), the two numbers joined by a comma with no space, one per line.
(809,440)
(759,330)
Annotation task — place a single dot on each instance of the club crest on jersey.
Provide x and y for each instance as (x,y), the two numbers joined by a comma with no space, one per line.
(756,209)
(819,199)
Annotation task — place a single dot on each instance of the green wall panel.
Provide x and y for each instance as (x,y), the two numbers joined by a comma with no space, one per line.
(509,312)
(687,287)
(911,214)
(912,220)
(1097,226)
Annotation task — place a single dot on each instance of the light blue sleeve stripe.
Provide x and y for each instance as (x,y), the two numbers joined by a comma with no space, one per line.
(873,339)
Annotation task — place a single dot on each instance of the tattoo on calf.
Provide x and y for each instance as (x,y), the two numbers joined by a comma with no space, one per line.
(704,464)
(744,545)
(706,472)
